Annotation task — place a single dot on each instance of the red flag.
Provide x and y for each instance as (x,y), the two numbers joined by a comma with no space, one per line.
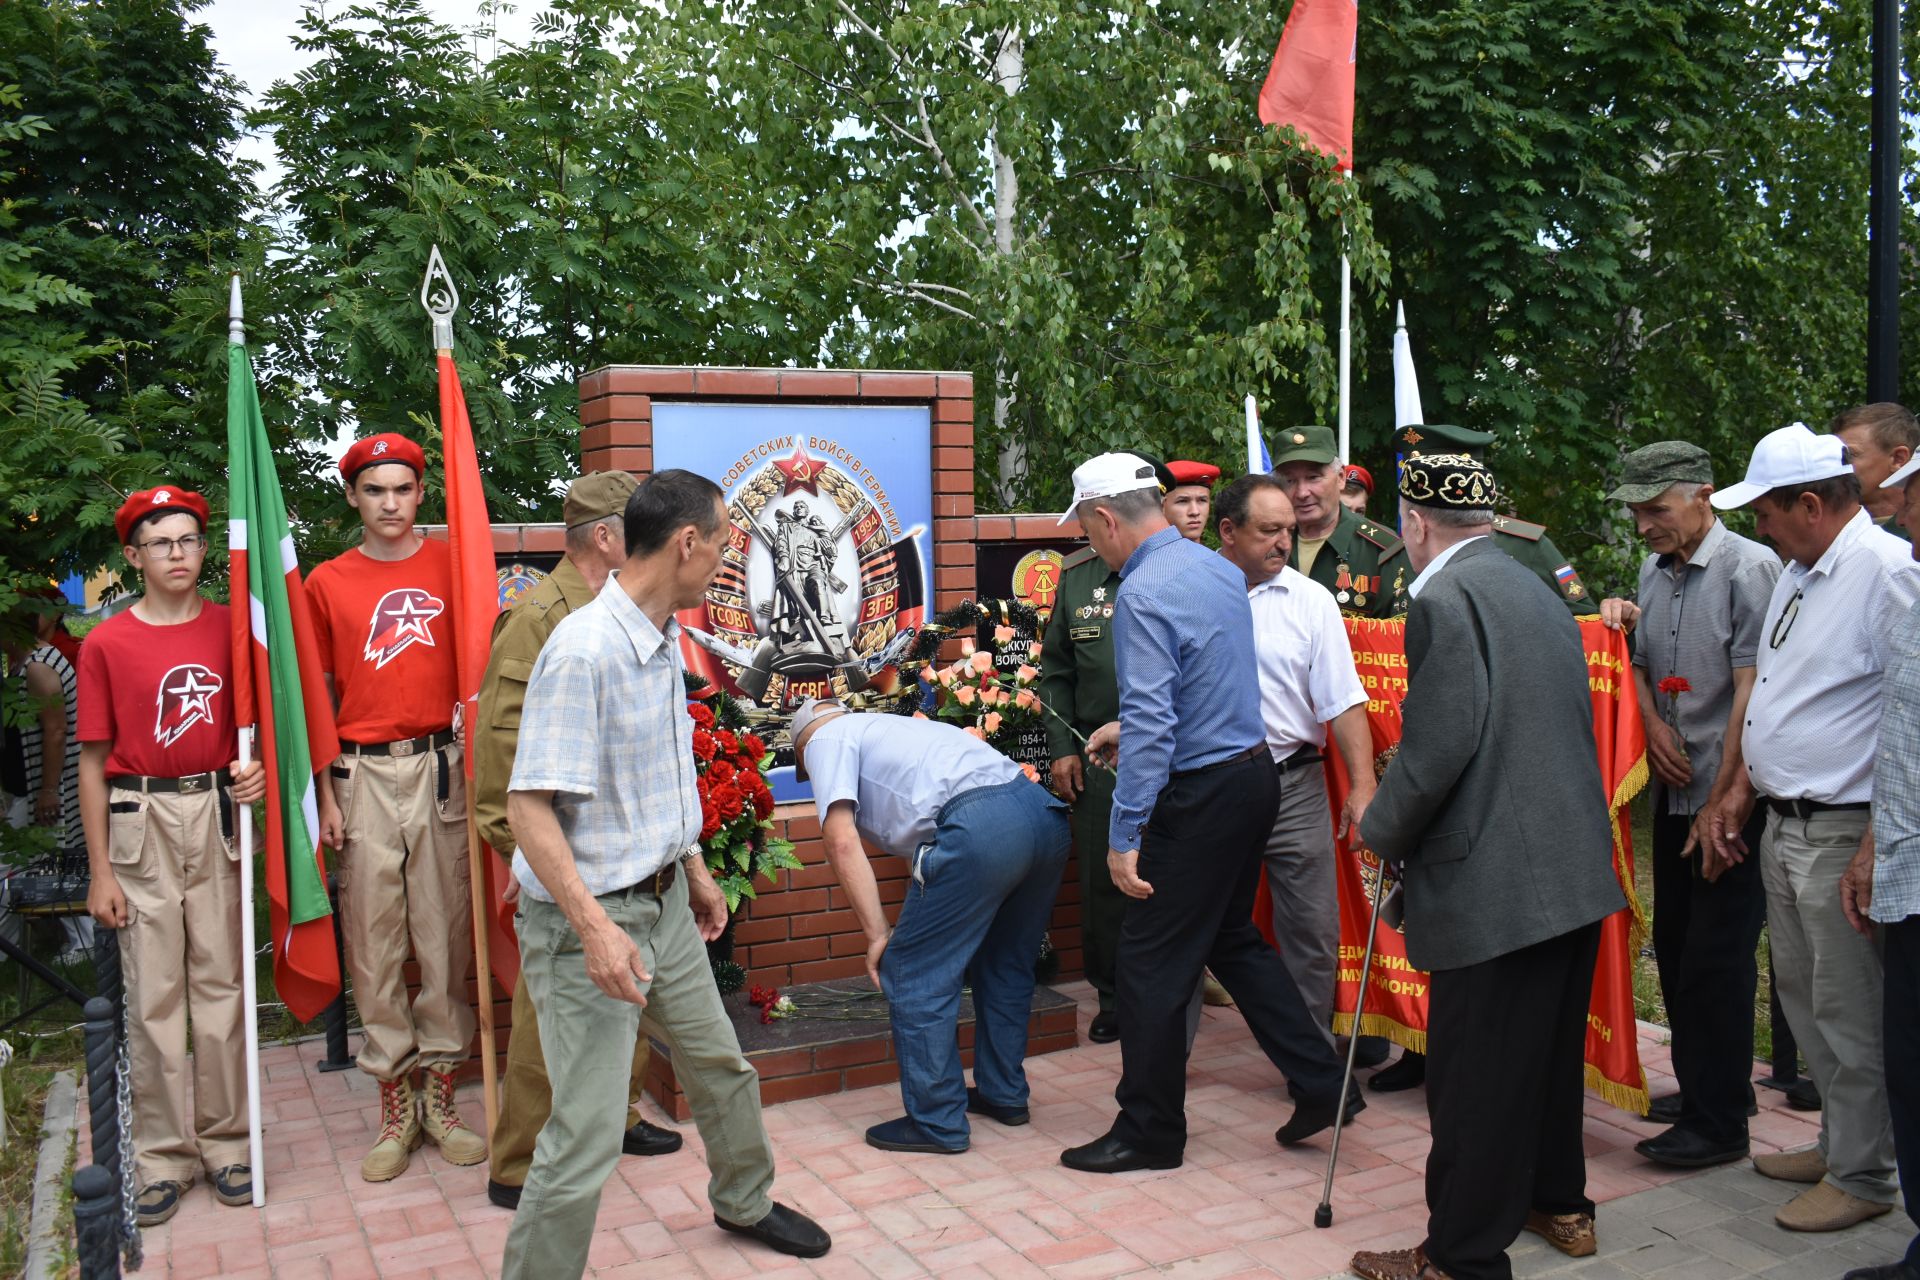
(1310,85)
(476,603)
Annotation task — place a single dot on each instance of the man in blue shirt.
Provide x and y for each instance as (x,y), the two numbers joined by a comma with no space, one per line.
(1193,804)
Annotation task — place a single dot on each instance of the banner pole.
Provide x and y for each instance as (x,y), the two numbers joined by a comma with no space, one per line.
(1323,1212)
(249,982)
(1346,359)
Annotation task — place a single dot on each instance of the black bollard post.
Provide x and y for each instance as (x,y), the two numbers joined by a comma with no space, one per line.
(103,1102)
(96,1222)
(334,1016)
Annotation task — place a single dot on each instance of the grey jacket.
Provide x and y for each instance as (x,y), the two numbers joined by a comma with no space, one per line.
(1494,802)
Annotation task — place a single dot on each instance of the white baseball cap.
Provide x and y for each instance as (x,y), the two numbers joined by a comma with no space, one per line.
(805,716)
(1898,480)
(1791,455)
(1108,474)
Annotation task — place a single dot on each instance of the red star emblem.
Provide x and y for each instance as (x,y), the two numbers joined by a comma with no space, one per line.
(801,471)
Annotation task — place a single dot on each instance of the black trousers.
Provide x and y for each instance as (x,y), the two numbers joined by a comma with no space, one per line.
(1901,999)
(1704,938)
(1506,1071)
(1202,854)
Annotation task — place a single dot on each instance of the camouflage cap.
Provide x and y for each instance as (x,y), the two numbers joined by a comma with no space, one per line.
(1306,444)
(597,495)
(1651,470)
(1437,437)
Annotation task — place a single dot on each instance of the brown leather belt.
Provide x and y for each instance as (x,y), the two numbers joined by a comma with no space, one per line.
(659,882)
(189,785)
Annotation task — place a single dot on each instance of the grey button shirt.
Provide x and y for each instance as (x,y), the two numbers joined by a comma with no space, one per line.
(1699,620)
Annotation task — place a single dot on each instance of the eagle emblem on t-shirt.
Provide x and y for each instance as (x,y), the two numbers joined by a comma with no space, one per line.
(185,699)
(399,620)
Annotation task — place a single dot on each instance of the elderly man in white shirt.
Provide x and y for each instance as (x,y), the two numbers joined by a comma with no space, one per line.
(1307,681)
(1831,631)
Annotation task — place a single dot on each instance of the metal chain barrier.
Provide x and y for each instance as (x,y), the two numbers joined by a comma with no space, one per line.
(119,1158)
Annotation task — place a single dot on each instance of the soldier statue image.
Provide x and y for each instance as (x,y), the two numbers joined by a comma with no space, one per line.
(803,608)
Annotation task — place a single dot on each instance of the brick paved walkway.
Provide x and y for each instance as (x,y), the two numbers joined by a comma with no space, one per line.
(1239,1206)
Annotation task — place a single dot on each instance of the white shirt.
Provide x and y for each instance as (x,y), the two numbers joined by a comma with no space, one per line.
(1813,721)
(1306,662)
(1436,564)
(899,772)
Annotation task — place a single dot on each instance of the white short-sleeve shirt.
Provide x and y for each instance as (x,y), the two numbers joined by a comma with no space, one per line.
(899,772)
(1306,661)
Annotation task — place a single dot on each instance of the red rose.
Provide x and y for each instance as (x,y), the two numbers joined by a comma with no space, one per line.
(703,745)
(702,715)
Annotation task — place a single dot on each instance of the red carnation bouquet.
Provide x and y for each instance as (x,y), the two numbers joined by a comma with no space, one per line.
(736,805)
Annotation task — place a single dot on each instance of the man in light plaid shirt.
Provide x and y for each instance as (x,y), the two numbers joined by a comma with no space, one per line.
(1882,888)
(614,900)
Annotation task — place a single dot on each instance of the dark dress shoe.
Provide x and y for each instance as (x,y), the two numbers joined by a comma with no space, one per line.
(1665,1109)
(1110,1155)
(1885,1271)
(1373,1051)
(1408,1073)
(1009,1116)
(502,1195)
(1803,1095)
(649,1140)
(904,1135)
(783,1231)
(1104,1029)
(1310,1118)
(1680,1148)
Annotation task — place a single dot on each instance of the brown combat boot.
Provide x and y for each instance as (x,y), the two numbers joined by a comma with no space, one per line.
(459,1144)
(399,1133)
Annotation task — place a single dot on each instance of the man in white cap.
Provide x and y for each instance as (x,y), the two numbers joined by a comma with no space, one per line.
(987,847)
(1834,624)
(1881,894)
(1193,805)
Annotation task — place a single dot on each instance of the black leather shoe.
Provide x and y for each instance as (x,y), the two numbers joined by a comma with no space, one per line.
(1110,1155)
(1680,1148)
(1373,1051)
(502,1195)
(1408,1073)
(904,1135)
(1104,1029)
(994,1111)
(1310,1118)
(1664,1109)
(1803,1095)
(784,1231)
(649,1140)
(1885,1271)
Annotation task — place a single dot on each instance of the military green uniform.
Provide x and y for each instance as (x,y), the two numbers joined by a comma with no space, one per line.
(1524,541)
(1078,682)
(1355,565)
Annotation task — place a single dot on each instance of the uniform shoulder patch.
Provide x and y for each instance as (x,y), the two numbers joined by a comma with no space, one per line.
(1080,557)
(1385,539)
(1519,528)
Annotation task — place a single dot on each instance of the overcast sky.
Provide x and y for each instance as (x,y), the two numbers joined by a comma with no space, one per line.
(254,40)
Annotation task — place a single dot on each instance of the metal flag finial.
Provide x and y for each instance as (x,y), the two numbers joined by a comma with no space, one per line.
(440,298)
(236,329)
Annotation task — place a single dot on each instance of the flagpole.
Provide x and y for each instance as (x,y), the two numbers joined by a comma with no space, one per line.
(1346,357)
(1253,437)
(440,305)
(249,979)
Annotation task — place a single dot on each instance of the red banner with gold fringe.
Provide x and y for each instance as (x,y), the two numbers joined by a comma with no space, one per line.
(1397,992)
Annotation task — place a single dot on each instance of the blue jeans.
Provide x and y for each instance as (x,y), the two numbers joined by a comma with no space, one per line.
(975,910)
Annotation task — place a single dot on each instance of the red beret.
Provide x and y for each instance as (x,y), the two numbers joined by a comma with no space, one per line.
(1193,472)
(385,447)
(1357,474)
(148,502)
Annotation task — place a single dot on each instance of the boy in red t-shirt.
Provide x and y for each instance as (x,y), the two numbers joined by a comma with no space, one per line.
(395,803)
(156,728)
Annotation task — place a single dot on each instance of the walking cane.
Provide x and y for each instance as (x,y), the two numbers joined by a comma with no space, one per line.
(1323,1213)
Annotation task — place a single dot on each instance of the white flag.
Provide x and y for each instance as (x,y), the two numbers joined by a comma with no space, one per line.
(1406,387)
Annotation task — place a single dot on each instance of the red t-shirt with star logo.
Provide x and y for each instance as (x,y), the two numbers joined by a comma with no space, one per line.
(385,630)
(162,695)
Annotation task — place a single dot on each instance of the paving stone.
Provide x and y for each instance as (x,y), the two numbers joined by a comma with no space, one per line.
(1656,1258)
(1691,1217)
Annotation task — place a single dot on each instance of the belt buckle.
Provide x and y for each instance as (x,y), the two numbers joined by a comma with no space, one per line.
(198,782)
(405,748)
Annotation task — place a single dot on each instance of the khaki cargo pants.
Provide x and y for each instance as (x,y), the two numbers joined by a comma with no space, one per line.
(180,952)
(404,881)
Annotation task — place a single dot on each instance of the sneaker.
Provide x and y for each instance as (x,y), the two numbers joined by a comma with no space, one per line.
(233,1184)
(443,1125)
(399,1134)
(159,1201)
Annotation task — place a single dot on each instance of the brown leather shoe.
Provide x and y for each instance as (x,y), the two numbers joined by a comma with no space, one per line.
(1825,1207)
(1396,1264)
(1792,1166)
(1570,1233)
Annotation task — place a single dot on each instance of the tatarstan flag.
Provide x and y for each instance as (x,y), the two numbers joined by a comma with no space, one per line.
(277,686)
